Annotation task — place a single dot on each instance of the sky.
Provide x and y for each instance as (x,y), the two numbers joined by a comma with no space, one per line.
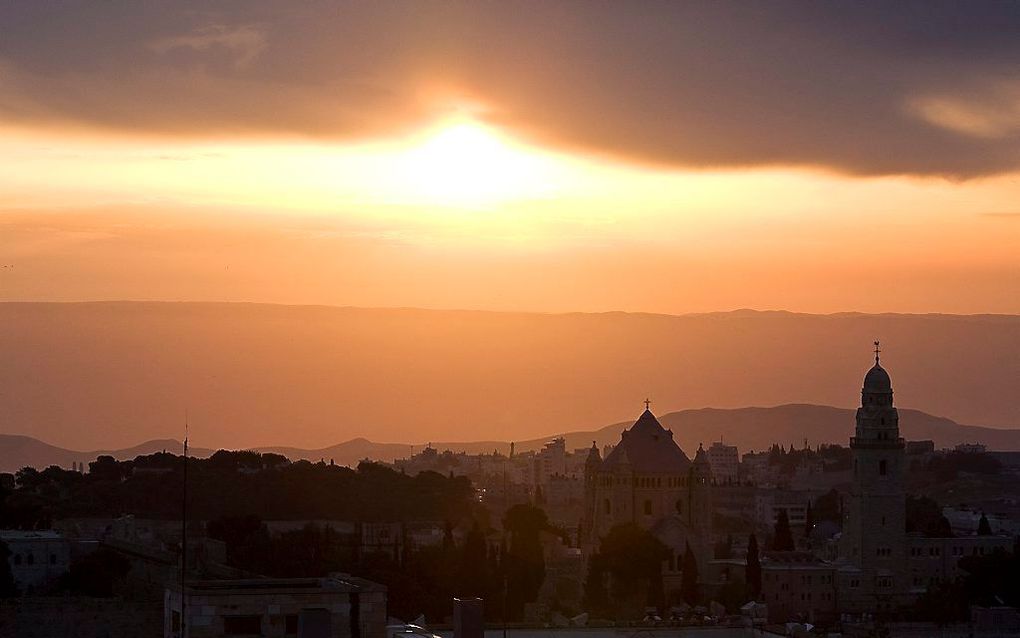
(541,156)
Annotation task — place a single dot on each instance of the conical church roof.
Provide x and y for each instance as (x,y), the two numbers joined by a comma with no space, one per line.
(648,447)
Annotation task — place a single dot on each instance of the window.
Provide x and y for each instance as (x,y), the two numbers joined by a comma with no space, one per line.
(30,559)
(648,508)
(175,621)
(290,625)
(882,467)
(607,506)
(17,559)
(53,559)
(242,625)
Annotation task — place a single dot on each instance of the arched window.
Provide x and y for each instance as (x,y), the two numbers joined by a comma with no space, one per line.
(648,507)
(679,506)
(30,559)
(17,559)
(882,467)
(607,506)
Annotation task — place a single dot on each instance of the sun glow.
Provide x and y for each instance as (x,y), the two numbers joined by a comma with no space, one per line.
(466,164)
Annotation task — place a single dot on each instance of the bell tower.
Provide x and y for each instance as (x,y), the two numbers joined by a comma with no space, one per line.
(874,535)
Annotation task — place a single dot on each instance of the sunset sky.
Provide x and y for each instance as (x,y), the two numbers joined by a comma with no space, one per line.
(664,157)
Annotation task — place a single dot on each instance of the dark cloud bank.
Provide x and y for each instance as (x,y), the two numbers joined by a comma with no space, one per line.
(863,88)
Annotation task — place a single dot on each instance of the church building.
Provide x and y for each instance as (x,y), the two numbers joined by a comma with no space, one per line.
(648,480)
(873,544)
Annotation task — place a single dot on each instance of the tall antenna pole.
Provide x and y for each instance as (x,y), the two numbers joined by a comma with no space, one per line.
(184,528)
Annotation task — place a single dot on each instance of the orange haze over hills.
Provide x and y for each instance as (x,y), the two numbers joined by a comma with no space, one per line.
(113,374)
(524,157)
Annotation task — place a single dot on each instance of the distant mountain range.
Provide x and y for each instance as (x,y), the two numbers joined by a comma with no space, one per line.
(747,428)
(112,374)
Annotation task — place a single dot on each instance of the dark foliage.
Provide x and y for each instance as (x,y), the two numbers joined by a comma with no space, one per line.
(990,580)
(834,458)
(524,562)
(782,539)
(234,484)
(633,558)
(7,588)
(947,467)
(689,578)
(753,573)
(827,508)
(96,574)
(924,516)
(984,528)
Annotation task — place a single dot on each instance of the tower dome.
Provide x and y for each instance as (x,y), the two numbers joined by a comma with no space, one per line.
(877,380)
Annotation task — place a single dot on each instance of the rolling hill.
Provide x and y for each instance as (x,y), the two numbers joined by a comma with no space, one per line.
(748,428)
(92,375)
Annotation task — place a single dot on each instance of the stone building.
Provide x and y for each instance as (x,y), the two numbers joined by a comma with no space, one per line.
(38,558)
(339,606)
(798,586)
(648,480)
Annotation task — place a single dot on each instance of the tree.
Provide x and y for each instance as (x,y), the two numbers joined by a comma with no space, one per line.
(525,562)
(689,580)
(96,574)
(632,557)
(984,528)
(7,588)
(473,580)
(753,573)
(782,541)
(596,596)
(826,507)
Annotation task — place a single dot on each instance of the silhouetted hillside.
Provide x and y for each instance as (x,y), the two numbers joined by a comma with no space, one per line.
(747,428)
(111,374)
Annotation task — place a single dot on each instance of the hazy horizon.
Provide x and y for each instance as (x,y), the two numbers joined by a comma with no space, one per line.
(247,373)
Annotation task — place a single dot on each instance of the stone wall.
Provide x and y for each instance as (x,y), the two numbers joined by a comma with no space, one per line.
(74,617)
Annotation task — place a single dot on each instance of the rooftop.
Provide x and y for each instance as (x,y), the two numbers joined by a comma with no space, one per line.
(648,447)
(333,582)
(35,535)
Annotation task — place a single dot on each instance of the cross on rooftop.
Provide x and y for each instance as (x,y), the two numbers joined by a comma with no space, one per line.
(877,350)
(647,403)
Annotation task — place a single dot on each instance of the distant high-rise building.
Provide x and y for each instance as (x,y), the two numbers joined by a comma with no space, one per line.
(725,462)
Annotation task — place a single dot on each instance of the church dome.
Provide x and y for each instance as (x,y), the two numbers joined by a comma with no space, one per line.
(877,380)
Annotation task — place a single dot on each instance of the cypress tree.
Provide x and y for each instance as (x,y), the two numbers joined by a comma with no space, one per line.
(984,528)
(783,539)
(7,588)
(753,573)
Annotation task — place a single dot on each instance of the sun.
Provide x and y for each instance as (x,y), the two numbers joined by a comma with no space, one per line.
(465,163)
